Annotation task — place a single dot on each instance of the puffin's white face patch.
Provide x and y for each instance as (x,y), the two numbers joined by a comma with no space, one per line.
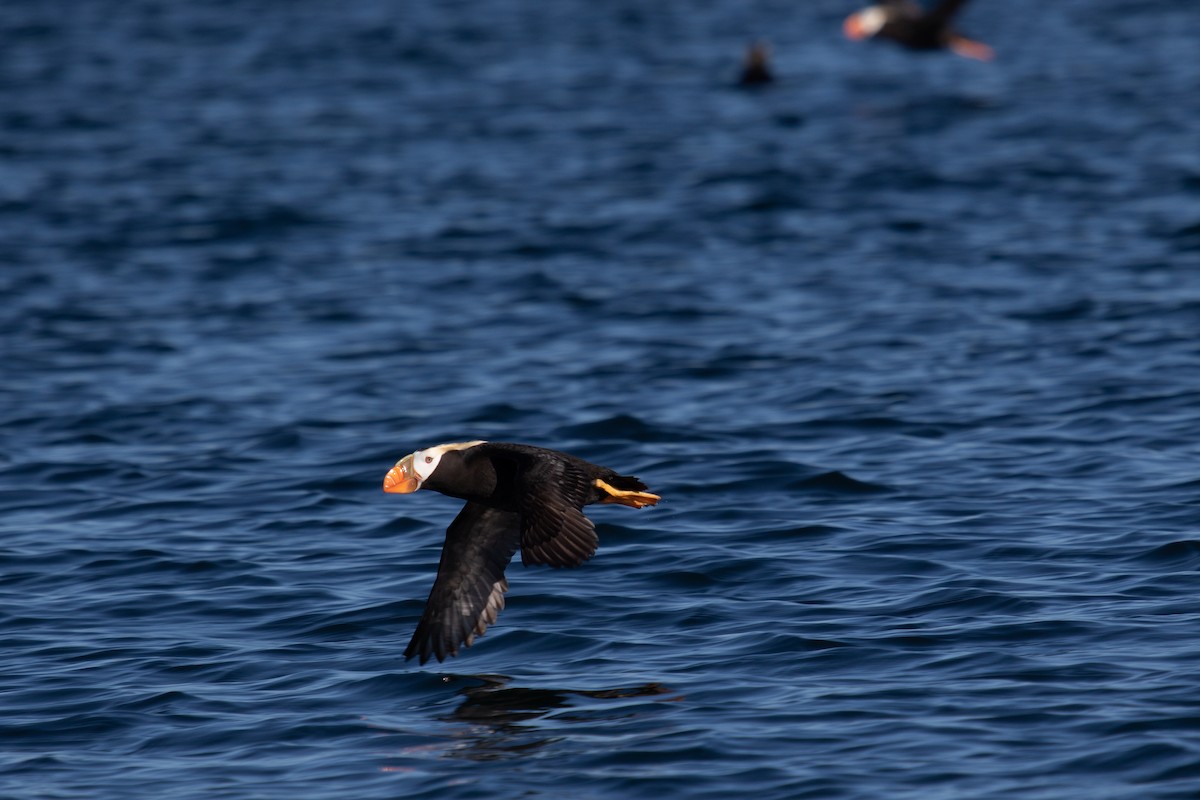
(426,461)
(871,20)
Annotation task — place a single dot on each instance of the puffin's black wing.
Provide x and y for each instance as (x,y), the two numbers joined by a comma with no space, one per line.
(468,593)
(554,530)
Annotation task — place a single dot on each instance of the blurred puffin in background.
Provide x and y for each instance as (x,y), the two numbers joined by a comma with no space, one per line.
(907,23)
(756,68)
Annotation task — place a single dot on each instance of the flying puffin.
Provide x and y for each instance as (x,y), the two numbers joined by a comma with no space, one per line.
(904,21)
(517,496)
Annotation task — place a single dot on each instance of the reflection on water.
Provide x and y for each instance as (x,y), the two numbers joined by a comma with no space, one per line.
(503,721)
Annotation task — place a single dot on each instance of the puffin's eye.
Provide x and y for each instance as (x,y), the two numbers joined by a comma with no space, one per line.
(428,459)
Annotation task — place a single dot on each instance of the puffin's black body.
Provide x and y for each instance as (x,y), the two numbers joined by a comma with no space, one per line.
(517,496)
(908,24)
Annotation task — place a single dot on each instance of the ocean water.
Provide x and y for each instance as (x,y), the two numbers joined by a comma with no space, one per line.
(910,345)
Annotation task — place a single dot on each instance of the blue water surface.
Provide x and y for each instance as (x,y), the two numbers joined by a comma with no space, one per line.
(910,345)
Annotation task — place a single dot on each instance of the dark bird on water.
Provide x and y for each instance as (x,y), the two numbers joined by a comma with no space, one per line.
(906,22)
(517,496)
(756,68)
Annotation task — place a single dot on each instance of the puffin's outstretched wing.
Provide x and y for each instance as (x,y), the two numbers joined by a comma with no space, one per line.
(468,593)
(554,530)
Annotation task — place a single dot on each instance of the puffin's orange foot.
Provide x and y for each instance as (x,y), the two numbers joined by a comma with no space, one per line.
(626,497)
(970,48)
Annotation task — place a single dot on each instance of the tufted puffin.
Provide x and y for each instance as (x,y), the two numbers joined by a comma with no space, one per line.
(904,21)
(517,496)
(756,69)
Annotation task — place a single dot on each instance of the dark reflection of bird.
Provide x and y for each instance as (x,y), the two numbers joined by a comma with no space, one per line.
(756,69)
(906,22)
(517,496)
(497,703)
(503,721)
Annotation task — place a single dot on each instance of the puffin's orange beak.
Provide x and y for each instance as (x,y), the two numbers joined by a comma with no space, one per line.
(853,27)
(402,479)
